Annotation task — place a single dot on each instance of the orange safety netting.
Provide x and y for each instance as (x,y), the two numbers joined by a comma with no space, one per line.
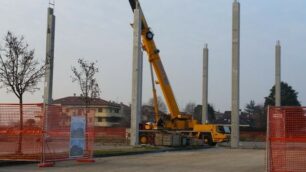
(21,142)
(44,134)
(57,136)
(286,146)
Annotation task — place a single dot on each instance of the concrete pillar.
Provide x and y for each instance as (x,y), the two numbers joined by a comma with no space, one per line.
(49,57)
(235,75)
(205,118)
(278,74)
(136,79)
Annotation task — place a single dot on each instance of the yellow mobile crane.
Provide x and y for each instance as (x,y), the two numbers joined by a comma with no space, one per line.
(176,122)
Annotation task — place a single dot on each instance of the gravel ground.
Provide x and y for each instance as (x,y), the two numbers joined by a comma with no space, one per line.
(203,160)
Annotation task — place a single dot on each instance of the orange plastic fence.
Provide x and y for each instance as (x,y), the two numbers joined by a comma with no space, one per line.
(20,142)
(57,136)
(44,134)
(286,146)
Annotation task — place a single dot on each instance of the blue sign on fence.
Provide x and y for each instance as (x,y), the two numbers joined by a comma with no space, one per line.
(77,136)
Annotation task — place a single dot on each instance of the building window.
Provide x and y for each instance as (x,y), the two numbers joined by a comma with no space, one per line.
(107,110)
(100,119)
(112,119)
(116,110)
(100,109)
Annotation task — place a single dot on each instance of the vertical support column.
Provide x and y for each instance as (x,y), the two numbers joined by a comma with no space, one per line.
(235,75)
(278,74)
(49,57)
(136,79)
(205,118)
(48,77)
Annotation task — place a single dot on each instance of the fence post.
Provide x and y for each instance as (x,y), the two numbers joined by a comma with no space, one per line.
(268,141)
(44,128)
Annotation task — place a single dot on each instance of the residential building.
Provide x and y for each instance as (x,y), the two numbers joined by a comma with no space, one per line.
(106,113)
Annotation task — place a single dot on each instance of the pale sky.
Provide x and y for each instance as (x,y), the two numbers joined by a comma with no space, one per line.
(100,30)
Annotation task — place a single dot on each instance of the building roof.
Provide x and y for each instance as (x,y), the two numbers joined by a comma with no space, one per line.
(77,101)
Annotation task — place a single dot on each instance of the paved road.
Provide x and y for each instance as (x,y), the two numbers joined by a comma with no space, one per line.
(206,160)
(247,145)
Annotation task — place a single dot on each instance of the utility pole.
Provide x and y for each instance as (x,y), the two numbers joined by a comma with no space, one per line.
(278,74)
(205,86)
(49,56)
(136,78)
(235,75)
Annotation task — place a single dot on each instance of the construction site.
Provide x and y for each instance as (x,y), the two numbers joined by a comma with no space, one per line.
(70,112)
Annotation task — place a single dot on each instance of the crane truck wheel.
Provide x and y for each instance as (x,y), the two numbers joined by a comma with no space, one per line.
(212,144)
(207,139)
(143,139)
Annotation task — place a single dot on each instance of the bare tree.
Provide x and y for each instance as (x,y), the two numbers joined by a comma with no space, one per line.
(161,104)
(19,71)
(189,108)
(257,112)
(210,114)
(85,76)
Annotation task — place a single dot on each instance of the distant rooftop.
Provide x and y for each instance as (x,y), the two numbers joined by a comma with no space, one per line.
(77,101)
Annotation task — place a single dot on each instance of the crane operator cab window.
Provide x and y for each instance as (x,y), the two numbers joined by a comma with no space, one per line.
(223,130)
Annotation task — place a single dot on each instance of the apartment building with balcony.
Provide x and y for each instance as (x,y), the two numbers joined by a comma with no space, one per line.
(106,113)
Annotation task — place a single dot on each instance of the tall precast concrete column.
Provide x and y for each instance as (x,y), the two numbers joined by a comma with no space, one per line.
(49,57)
(278,74)
(136,78)
(205,86)
(235,75)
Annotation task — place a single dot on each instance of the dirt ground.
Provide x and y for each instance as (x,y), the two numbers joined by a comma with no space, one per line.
(204,160)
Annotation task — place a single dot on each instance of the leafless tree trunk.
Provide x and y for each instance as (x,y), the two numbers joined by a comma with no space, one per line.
(19,150)
(189,108)
(19,72)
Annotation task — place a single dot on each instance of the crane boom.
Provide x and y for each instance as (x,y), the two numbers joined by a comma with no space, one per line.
(183,124)
(154,58)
